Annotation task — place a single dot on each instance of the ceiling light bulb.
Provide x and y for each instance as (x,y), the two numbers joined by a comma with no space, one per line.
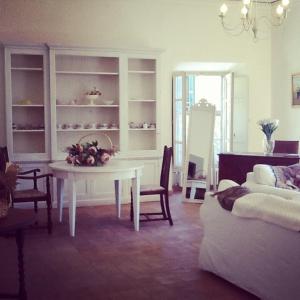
(246,2)
(279,10)
(223,9)
(244,11)
(285,2)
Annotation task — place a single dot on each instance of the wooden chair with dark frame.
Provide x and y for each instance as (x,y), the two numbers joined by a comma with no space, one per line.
(291,147)
(162,190)
(30,195)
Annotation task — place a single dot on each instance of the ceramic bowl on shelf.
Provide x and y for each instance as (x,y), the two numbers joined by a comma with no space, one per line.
(88,126)
(25,102)
(107,101)
(113,126)
(65,126)
(77,126)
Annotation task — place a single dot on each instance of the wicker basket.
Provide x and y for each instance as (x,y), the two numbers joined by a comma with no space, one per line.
(4,207)
(96,135)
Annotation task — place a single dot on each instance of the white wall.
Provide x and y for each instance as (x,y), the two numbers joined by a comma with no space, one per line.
(285,62)
(188,31)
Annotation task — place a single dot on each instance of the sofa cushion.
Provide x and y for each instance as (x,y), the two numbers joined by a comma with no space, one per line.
(263,174)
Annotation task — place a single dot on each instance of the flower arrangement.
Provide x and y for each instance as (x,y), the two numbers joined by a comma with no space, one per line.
(8,182)
(88,154)
(94,92)
(268,126)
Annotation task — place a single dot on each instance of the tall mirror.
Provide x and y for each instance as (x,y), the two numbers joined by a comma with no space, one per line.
(199,165)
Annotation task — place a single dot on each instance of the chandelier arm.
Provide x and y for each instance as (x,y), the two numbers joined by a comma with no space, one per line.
(233,31)
(232,28)
(270,22)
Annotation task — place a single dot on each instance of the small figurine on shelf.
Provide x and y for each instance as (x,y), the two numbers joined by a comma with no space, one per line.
(93,95)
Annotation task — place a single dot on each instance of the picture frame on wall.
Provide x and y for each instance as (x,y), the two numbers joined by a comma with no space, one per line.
(296,89)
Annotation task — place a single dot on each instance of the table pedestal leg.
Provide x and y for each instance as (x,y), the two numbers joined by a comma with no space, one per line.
(72,208)
(20,244)
(136,201)
(60,197)
(118,197)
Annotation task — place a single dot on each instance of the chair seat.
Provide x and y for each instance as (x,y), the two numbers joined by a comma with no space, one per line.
(151,189)
(29,194)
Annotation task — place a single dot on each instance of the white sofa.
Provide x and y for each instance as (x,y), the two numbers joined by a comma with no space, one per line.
(262,180)
(260,257)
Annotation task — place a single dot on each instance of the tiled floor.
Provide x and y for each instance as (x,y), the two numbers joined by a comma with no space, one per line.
(109,260)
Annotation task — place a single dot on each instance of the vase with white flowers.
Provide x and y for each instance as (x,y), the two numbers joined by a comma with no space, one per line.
(268,126)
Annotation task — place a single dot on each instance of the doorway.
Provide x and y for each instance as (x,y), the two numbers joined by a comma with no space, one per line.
(188,89)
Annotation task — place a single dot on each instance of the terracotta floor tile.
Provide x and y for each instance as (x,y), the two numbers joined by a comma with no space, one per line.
(108,260)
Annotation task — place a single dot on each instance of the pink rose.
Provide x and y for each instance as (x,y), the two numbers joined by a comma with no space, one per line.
(90,160)
(93,150)
(69,159)
(77,160)
(79,148)
(104,157)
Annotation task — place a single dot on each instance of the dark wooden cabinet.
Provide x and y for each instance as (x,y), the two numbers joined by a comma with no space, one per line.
(235,166)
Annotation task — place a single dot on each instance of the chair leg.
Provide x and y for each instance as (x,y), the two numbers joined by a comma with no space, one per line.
(49,222)
(163,206)
(131,206)
(20,244)
(168,208)
(35,206)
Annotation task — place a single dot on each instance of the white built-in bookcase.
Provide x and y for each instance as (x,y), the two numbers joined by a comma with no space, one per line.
(46,90)
(27,103)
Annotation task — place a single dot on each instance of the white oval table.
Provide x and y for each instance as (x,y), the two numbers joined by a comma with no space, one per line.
(115,170)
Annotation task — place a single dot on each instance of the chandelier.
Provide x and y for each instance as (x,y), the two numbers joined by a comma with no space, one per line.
(252,18)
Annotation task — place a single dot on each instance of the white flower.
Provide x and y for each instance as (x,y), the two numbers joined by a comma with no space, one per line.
(268,126)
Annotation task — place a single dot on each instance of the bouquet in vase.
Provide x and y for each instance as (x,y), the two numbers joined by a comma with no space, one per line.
(268,126)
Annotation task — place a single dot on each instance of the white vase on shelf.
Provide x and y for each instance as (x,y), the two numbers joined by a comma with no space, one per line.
(91,99)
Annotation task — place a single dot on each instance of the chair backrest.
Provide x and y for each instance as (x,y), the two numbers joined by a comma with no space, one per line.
(3,158)
(165,168)
(291,147)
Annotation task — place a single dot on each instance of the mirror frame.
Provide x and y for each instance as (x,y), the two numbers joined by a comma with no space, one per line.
(202,105)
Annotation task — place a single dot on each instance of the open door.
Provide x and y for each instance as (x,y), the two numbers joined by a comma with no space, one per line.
(240,114)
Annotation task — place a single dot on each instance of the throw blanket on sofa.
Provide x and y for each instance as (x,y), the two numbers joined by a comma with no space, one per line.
(269,208)
(287,177)
(227,197)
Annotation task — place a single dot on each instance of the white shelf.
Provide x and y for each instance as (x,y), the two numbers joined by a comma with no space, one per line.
(142,100)
(29,130)
(141,72)
(143,129)
(85,130)
(26,69)
(87,73)
(28,105)
(86,105)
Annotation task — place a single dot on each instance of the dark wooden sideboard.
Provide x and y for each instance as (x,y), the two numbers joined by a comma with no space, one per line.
(235,166)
